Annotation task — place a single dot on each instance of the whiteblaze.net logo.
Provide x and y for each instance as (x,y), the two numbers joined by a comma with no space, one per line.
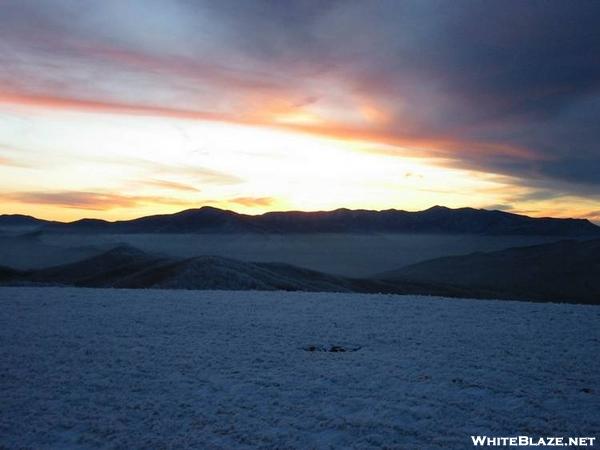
(526,441)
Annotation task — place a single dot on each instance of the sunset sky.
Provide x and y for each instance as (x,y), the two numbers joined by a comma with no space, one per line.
(121,108)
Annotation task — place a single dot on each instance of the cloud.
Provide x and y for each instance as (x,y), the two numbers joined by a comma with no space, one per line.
(508,87)
(194,173)
(252,201)
(97,201)
(249,202)
(6,161)
(499,207)
(12,162)
(593,216)
(55,102)
(199,174)
(169,185)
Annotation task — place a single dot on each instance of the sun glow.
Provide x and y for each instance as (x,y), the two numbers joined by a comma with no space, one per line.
(118,166)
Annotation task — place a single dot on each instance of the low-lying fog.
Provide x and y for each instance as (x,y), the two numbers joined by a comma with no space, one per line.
(355,255)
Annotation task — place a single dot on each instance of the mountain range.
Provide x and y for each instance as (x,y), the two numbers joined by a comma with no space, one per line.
(564,271)
(435,220)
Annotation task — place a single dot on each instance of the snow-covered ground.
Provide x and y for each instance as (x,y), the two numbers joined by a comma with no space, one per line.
(83,368)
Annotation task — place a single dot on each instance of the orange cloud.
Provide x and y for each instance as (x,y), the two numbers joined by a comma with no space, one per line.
(84,105)
(415,144)
(171,185)
(247,202)
(96,201)
(252,201)
(9,162)
(594,216)
(410,144)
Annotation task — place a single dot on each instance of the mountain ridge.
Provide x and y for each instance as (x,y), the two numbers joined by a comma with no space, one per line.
(563,271)
(434,220)
(556,271)
(125,266)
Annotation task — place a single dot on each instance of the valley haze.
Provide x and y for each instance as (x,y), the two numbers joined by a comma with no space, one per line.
(502,255)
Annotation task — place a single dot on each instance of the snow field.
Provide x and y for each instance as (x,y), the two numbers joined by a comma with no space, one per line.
(101,368)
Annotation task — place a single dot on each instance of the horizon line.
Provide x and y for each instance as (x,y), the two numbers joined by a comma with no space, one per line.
(297,211)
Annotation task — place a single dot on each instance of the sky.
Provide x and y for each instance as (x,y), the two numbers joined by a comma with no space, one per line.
(121,108)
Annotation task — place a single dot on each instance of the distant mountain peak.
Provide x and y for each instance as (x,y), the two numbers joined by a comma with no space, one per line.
(19,220)
(90,221)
